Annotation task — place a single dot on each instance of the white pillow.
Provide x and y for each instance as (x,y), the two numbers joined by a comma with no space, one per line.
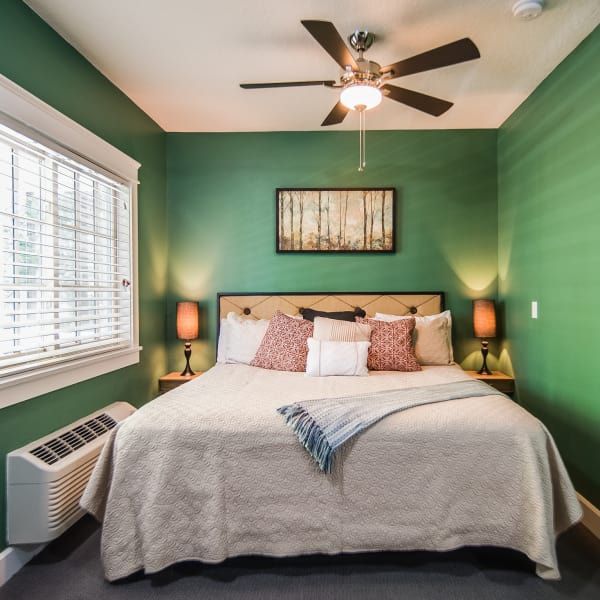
(433,337)
(240,338)
(327,358)
(222,342)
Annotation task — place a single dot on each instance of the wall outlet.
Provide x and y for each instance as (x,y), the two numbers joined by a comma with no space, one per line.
(534,309)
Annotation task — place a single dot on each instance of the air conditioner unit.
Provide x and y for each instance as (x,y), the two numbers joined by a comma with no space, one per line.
(45,479)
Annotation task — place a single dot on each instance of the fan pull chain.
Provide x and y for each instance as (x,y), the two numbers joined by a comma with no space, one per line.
(362,159)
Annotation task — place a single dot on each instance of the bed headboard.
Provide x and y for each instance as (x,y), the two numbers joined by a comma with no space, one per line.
(263,305)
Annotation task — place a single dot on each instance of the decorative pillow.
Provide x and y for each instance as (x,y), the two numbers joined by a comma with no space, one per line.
(327,358)
(284,346)
(432,337)
(222,341)
(345,315)
(240,338)
(340,331)
(391,345)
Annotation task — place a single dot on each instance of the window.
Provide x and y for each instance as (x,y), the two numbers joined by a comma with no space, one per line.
(67,268)
(64,251)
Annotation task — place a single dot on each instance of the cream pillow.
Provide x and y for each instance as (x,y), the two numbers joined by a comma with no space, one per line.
(432,337)
(326,358)
(335,330)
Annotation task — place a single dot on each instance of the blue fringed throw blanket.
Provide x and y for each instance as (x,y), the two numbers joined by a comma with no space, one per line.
(323,425)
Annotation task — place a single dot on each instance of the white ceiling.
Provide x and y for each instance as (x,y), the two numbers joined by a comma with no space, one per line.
(181,60)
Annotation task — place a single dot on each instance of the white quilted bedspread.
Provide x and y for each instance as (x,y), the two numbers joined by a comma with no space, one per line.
(210,470)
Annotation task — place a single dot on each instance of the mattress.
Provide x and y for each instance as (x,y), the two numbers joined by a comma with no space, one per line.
(210,471)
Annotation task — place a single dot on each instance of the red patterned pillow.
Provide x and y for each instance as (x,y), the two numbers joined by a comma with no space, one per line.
(284,346)
(391,345)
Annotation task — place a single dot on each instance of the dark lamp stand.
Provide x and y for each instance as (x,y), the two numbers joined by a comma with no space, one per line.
(484,351)
(484,327)
(187,353)
(187,330)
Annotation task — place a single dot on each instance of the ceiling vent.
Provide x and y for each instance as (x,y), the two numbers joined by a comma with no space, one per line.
(527,9)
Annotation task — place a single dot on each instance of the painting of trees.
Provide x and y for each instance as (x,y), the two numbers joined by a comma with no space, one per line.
(300,199)
(330,220)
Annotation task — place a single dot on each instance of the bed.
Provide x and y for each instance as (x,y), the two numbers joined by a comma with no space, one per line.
(210,471)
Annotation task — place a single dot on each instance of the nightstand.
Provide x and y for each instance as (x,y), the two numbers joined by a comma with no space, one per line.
(502,382)
(171,380)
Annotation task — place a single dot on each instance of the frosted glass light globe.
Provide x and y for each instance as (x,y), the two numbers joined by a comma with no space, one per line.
(360,94)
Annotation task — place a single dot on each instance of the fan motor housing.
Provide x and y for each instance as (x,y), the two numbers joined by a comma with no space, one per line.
(368,66)
(368,70)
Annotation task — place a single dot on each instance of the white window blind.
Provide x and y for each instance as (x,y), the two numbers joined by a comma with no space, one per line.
(65,257)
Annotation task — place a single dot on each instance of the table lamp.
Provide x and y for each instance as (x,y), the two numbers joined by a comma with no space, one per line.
(484,327)
(187,329)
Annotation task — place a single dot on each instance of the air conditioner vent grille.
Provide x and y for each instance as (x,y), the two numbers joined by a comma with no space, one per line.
(57,448)
(85,433)
(72,439)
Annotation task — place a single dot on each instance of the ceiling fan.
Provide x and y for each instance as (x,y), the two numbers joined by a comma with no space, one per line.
(363,82)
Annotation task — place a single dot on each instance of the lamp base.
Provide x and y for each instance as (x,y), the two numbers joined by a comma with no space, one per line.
(187,353)
(484,351)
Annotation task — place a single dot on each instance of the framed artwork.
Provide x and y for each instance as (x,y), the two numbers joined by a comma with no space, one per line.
(336,220)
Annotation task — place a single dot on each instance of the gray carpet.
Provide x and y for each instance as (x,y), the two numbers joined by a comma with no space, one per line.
(70,569)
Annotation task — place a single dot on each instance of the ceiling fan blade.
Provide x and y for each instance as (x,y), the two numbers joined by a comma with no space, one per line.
(423,102)
(281,84)
(327,35)
(444,56)
(337,115)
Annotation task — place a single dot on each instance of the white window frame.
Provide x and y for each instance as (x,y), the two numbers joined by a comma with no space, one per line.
(29,115)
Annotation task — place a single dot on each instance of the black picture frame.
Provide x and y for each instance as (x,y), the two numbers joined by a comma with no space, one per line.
(386,248)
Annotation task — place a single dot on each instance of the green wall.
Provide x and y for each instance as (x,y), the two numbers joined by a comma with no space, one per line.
(522,203)
(549,251)
(38,59)
(221,207)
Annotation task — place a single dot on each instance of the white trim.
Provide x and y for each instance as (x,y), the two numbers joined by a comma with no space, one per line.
(13,559)
(133,257)
(41,381)
(17,103)
(19,107)
(591,516)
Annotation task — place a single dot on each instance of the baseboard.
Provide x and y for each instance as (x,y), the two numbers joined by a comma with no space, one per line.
(14,558)
(591,516)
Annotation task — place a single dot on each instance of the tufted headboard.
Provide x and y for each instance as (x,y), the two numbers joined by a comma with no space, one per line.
(263,305)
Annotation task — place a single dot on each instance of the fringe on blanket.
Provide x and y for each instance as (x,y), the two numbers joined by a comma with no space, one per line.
(322,426)
(311,436)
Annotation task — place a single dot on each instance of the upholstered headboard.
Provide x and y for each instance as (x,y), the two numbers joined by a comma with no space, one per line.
(263,305)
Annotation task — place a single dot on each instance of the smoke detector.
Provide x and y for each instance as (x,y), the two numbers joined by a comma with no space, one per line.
(527,9)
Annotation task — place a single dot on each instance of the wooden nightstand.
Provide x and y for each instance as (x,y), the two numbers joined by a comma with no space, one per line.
(171,380)
(502,382)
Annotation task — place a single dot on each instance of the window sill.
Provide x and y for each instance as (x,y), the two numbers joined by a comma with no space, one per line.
(41,381)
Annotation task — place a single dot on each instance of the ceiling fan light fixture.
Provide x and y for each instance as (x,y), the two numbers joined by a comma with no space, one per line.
(362,80)
(361,96)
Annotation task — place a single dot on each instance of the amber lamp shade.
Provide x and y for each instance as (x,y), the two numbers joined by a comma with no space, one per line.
(188,325)
(484,318)
(484,326)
